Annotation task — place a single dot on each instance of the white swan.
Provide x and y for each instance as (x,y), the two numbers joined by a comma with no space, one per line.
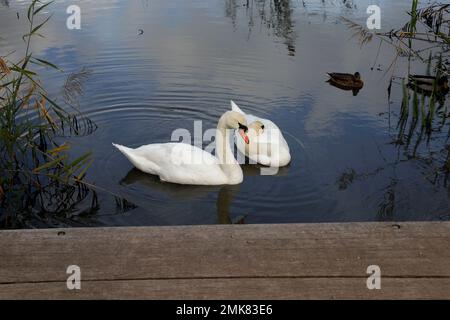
(186,164)
(267,144)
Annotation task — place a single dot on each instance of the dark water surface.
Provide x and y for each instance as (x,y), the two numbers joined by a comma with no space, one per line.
(156,66)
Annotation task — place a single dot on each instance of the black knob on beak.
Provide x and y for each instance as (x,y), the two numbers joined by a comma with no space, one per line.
(241,126)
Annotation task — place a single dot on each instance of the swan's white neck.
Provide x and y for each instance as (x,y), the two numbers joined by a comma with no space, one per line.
(224,153)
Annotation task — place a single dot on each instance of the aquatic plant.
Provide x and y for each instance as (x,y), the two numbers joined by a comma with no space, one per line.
(40,182)
(421,133)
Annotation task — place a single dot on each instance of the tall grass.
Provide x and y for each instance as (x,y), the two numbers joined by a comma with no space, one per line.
(411,26)
(39,180)
(422,128)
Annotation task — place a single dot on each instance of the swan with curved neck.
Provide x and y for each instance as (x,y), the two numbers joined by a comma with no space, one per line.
(267,144)
(186,164)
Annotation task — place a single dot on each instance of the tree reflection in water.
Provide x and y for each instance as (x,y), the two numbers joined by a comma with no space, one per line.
(275,15)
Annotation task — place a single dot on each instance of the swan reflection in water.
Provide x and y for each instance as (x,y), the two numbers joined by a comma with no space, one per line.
(226,193)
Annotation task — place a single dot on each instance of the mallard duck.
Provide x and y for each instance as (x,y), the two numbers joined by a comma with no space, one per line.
(426,84)
(346,81)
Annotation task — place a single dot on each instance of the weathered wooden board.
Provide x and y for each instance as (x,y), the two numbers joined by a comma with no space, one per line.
(232,289)
(233,261)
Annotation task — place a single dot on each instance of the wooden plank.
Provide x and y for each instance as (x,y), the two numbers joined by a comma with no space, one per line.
(232,289)
(314,258)
(416,249)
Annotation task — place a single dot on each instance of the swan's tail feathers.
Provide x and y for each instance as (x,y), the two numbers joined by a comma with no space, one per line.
(235,107)
(123,149)
(127,152)
(137,159)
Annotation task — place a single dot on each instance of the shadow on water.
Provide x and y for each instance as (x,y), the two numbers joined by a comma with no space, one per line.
(336,85)
(225,194)
(176,191)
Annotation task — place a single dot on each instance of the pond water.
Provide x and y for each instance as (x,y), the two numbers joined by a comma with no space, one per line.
(155,66)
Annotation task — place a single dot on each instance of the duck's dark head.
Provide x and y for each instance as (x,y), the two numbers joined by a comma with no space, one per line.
(357,76)
(443,83)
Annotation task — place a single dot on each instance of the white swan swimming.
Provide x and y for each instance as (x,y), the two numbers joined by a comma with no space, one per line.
(186,164)
(267,144)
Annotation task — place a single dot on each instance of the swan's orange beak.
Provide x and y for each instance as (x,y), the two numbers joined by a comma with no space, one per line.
(244,136)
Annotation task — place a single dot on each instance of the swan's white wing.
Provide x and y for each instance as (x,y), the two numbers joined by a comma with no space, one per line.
(178,163)
(138,159)
(279,149)
(186,164)
(176,153)
(272,134)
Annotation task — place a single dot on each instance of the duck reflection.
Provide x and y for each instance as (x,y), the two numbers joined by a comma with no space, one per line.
(336,85)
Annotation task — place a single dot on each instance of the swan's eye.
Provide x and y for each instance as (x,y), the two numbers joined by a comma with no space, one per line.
(262,127)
